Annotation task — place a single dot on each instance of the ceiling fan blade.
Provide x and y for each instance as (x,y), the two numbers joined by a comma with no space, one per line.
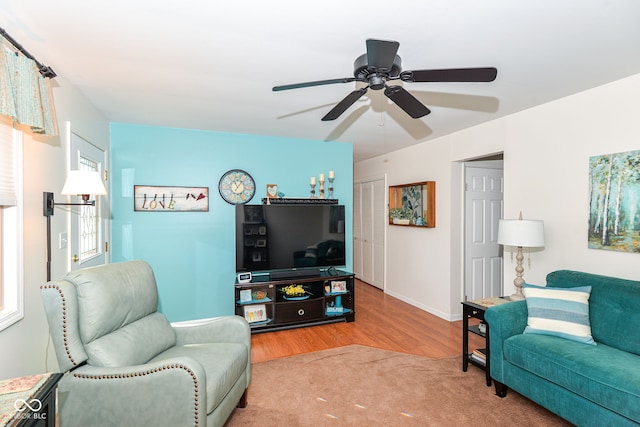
(381,54)
(316,83)
(342,106)
(485,74)
(406,101)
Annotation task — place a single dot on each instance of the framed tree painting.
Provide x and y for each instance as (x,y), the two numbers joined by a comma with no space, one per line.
(614,202)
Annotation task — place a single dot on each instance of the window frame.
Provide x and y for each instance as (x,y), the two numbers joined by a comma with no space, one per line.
(11,239)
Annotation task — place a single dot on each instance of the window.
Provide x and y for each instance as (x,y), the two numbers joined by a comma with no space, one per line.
(89,221)
(11,279)
(1,258)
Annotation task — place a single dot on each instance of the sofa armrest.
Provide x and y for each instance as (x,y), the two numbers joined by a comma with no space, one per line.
(168,392)
(224,329)
(505,320)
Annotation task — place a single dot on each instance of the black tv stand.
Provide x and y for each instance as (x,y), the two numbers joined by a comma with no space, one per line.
(295,274)
(328,298)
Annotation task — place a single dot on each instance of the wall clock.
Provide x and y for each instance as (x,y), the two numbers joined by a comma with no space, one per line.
(237,187)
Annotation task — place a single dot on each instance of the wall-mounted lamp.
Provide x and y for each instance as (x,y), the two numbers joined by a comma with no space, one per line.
(81,183)
(522,233)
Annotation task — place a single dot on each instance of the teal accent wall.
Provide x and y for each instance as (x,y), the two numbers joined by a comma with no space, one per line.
(193,253)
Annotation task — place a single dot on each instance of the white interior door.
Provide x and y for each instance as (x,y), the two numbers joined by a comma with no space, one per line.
(357,230)
(367,233)
(369,227)
(87,241)
(378,209)
(483,209)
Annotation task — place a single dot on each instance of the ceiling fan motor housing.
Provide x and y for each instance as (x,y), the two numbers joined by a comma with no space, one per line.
(375,76)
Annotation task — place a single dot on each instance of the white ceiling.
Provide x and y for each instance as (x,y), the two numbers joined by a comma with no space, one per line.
(207,64)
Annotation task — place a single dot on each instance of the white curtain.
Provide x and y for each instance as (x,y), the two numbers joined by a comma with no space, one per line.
(24,93)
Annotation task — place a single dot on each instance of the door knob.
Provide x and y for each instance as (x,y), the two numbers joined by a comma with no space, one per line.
(75,258)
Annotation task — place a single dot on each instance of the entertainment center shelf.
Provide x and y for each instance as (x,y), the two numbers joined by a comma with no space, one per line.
(325,298)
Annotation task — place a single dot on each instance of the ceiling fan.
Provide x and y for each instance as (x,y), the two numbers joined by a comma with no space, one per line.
(381,64)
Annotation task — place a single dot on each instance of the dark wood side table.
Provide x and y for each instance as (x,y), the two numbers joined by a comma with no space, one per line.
(35,409)
(476,309)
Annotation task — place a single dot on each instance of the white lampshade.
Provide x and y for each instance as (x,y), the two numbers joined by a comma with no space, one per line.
(527,233)
(83,182)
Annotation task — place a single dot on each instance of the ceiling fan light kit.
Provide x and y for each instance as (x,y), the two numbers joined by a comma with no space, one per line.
(380,65)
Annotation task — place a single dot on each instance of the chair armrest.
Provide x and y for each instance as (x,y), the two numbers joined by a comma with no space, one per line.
(168,392)
(505,320)
(224,329)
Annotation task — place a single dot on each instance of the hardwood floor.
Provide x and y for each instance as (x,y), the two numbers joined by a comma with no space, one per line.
(381,321)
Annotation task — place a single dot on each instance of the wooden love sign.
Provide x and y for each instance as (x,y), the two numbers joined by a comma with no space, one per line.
(150,198)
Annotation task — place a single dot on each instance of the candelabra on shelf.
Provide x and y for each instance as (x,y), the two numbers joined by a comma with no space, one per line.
(331,187)
(312,183)
(321,186)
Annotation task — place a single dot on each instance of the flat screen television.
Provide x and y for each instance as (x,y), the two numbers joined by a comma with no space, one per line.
(299,238)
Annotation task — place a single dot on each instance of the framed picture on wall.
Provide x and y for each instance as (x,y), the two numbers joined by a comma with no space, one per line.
(613,202)
(413,204)
(152,198)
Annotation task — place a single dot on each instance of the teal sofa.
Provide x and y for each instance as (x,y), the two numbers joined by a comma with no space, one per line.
(588,385)
(126,365)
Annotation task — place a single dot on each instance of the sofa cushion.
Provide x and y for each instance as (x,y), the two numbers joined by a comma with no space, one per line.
(223,364)
(603,374)
(562,312)
(613,307)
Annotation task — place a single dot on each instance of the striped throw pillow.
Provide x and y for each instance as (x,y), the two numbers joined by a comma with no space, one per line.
(563,312)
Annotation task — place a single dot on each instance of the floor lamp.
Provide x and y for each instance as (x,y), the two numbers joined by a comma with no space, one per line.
(521,233)
(80,183)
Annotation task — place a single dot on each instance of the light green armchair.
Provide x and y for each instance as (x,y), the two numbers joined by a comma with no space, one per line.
(126,365)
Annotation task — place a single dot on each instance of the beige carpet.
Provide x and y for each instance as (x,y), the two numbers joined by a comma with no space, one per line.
(363,386)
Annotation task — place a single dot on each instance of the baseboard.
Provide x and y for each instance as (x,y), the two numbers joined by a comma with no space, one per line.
(421,306)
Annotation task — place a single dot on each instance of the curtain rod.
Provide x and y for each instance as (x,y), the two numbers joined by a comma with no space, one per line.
(45,70)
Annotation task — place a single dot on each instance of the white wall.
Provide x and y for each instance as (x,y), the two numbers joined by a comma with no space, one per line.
(547,174)
(546,152)
(24,344)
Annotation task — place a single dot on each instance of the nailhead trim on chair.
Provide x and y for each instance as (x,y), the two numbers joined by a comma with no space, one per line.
(64,320)
(148,372)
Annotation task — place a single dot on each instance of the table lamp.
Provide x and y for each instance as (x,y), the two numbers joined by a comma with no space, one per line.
(521,233)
